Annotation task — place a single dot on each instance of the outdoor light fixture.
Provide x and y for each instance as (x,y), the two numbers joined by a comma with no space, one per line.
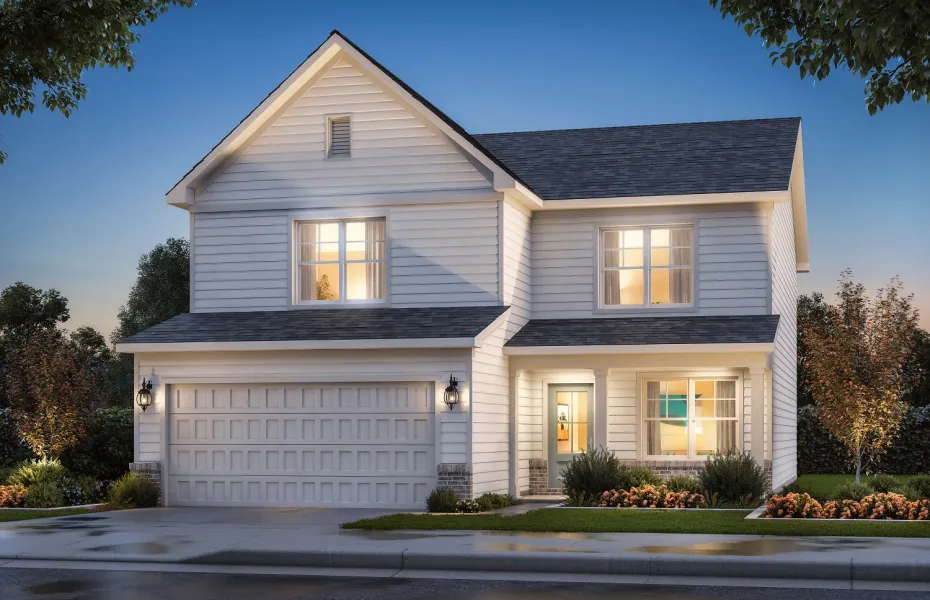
(451,397)
(144,397)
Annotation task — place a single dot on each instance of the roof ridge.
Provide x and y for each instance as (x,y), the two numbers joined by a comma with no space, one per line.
(642,126)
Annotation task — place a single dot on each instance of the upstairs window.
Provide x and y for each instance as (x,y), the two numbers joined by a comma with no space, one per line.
(644,267)
(339,137)
(341,261)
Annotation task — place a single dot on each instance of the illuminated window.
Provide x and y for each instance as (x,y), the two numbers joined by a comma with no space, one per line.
(341,261)
(690,417)
(646,267)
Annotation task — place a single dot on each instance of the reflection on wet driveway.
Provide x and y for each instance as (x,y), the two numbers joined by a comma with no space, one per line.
(765,547)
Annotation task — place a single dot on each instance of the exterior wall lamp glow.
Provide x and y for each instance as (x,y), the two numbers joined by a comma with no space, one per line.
(144,396)
(451,397)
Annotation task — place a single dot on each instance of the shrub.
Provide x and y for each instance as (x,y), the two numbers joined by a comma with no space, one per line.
(589,474)
(31,472)
(95,490)
(919,511)
(12,496)
(841,509)
(683,483)
(921,485)
(133,491)
(441,500)
(467,506)
(792,506)
(492,501)
(12,448)
(631,477)
(105,450)
(883,483)
(732,478)
(852,491)
(5,474)
(71,492)
(884,507)
(647,496)
(684,499)
(44,494)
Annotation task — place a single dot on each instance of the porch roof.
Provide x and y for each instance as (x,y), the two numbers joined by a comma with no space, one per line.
(647,331)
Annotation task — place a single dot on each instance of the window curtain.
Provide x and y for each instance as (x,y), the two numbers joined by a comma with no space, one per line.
(680,279)
(374,254)
(653,437)
(726,407)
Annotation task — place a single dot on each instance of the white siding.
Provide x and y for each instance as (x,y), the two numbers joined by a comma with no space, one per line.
(623,425)
(444,255)
(785,365)
(392,150)
(530,438)
(490,416)
(731,267)
(516,261)
(307,367)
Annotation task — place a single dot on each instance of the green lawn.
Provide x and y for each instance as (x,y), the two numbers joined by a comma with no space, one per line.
(822,486)
(25,515)
(645,521)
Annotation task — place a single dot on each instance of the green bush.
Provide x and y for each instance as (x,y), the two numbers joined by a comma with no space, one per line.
(883,483)
(31,472)
(909,492)
(492,501)
(94,490)
(72,494)
(441,500)
(133,491)
(732,479)
(921,486)
(467,506)
(5,474)
(852,491)
(589,474)
(631,477)
(105,451)
(44,494)
(684,483)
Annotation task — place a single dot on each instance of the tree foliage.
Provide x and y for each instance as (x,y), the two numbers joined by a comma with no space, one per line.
(25,310)
(858,368)
(161,291)
(813,314)
(50,43)
(883,41)
(49,389)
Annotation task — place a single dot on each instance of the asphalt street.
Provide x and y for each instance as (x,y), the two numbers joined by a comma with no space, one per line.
(61,584)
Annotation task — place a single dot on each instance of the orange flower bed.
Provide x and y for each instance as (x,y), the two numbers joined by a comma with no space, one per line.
(650,496)
(883,507)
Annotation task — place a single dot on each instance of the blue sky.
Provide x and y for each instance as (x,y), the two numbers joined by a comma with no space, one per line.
(83,198)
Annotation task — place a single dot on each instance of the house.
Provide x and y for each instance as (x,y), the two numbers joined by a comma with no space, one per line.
(352,248)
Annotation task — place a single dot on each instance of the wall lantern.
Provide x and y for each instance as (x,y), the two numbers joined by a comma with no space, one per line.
(451,397)
(144,397)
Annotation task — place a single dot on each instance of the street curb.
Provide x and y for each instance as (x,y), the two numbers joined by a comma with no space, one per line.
(578,563)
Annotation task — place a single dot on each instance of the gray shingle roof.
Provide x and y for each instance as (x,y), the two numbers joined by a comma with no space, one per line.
(651,160)
(636,331)
(322,324)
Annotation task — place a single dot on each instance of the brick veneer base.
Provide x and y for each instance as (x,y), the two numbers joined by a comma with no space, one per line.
(667,468)
(539,479)
(151,470)
(457,477)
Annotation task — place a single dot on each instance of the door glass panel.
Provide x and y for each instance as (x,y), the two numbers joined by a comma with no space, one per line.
(571,422)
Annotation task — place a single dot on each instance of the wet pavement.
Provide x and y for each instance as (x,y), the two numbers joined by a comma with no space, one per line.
(35,584)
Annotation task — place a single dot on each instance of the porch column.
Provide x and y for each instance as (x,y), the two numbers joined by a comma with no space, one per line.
(516,376)
(757,415)
(600,408)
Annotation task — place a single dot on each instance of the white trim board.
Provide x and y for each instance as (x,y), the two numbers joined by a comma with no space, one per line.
(641,349)
(368,344)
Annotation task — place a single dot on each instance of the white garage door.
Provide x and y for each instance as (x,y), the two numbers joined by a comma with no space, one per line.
(301,445)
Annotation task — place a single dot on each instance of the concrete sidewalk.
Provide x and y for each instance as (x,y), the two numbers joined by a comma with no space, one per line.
(312,538)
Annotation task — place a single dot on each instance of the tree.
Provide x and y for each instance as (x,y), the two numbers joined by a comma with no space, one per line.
(918,371)
(90,345)
(813,313)
(858,368)
(881,40)
(161,291)
(25,310)
(50,43)
(49,392)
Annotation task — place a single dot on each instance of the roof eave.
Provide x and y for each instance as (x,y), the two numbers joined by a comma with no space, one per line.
(258,346)
(640,349)
(672,200)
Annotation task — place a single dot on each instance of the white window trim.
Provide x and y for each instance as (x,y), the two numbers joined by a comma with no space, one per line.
(296,221)
(647,266)
(327,134)
(690,376)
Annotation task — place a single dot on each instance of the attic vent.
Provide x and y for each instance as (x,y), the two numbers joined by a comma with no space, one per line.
(340,141)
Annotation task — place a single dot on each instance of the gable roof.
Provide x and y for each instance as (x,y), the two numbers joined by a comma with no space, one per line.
(651,160)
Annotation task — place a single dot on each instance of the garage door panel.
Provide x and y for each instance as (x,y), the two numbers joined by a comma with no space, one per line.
(195,428)
(285,491)
(362,399)
(301,444)
(301,461)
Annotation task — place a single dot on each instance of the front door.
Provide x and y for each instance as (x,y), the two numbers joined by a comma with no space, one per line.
(571,426)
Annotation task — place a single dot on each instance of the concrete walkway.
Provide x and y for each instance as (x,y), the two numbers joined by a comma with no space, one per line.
(312,538)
